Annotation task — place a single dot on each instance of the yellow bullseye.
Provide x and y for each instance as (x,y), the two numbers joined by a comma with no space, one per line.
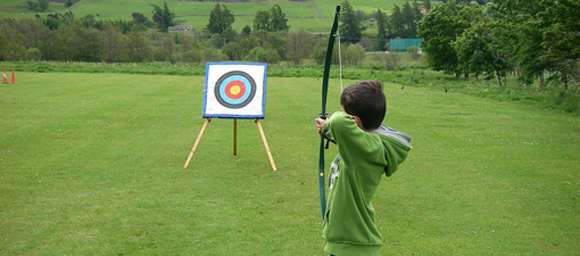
(235,90)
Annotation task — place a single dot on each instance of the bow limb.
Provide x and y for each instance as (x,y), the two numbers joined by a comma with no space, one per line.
(325,75)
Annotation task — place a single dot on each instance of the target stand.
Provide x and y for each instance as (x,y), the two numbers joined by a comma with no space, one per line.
(234,90)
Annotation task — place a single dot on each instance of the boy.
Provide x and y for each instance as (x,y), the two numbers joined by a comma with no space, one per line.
(366,150)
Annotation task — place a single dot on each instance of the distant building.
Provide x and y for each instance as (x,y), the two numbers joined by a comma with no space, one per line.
(402,44)
(180,28)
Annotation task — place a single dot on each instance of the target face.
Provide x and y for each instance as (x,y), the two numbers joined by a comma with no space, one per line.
(234,90)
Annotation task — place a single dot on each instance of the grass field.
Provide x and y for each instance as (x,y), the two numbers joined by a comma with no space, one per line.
(310,15)
(91,164)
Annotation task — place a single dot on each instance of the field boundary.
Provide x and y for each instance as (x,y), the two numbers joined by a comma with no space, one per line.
(552,98)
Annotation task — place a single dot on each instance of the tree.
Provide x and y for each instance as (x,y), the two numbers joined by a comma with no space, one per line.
(475,53)
(165,50)
(68,3)
(267,40)
(140,19)
(427,6)
(397,22)
(216,41)
(56,20)
(409,27)
(82,43)
(88,21)
(262,21)
(237,50)
(274,20)
(418,14)
(440,28)
(11,43)
(163,17)
(220,40)
(561,39)
(233,50)
(350,27)
(296,45)
(247,30)
(220,19)
(113,42)
(125,26)
(526,21)
(38,5)
(278,20)
(56,47)
(137,47)
(381,19)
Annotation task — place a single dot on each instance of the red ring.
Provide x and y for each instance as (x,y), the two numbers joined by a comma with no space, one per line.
(229,87)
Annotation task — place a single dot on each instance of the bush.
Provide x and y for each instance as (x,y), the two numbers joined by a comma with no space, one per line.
(37,5)
(354,54)
(413,53)
(233,50)
(214,55)
(263,54)
(295,45)
(33,54)
(217,41)
(13,52)
(568,101)
(392,61)
(192,56)
(319,53)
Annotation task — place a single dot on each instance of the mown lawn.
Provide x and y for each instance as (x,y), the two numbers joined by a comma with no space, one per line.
(91,164)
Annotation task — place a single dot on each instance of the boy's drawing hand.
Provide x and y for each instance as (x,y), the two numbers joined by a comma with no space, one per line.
(319,124)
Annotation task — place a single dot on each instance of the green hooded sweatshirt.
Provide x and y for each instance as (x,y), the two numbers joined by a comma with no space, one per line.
(363,157)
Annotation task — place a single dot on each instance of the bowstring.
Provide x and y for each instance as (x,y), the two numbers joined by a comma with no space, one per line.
(339,61)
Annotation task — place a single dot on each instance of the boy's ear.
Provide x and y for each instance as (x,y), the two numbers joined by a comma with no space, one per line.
(357,121)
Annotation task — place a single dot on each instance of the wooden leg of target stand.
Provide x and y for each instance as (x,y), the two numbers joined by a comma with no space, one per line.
(265,142)
(235,137)
(197,140)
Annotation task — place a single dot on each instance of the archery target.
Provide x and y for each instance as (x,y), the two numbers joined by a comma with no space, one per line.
(234,90)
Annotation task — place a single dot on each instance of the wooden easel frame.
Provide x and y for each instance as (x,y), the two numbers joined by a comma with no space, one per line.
(235,141)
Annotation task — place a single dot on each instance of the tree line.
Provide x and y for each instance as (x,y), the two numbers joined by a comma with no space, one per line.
(401,23)
(64,37)
(534,40)
(43,5)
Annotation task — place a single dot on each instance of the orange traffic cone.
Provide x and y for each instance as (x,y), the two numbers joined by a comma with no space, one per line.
(3,78)
(12,77)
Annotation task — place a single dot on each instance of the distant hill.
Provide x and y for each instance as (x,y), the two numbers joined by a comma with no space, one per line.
(311,15)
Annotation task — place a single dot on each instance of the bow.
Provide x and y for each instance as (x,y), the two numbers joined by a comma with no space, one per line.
(327,63)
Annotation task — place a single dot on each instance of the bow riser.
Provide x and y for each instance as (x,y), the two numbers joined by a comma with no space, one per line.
(325,76)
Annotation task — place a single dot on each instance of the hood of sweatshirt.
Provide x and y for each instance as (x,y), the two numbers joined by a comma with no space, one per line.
(396,144)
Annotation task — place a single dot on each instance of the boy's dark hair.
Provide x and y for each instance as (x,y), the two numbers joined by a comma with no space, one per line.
(366,100)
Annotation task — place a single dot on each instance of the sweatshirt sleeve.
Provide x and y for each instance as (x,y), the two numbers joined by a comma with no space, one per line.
(349,137)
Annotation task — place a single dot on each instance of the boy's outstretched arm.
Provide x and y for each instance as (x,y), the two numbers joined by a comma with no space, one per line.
(343,129)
